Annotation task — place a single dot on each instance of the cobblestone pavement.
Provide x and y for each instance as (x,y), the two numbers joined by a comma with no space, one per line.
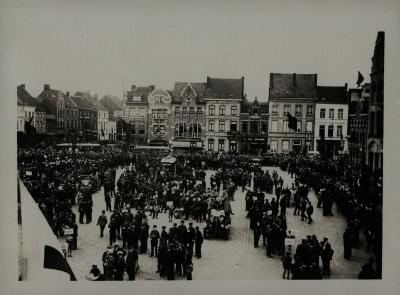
(236,258)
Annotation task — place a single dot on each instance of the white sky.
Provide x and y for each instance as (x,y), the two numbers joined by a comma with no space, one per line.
(105,46)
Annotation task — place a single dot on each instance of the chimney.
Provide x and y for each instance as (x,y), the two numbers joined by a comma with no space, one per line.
(294,79)
(271,80)
(46,87)
(242,86)
(67,94)
(152,87)
(133,87)
(208,81)
(345,86)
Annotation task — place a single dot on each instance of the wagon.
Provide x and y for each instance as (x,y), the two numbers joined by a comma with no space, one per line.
(218,227)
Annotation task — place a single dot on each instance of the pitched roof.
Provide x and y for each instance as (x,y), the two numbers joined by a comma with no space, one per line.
(25,97)
(199,89)
(293,85)
(110,103)
(332,94)
(225,88)
(82,103)
(140,91)
(246,106)
(69,102)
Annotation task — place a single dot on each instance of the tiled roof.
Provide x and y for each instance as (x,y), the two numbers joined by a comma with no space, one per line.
(82,103)
(179,87)
(246,106)
(25,97)
(225,88)
(332,94)
(110,103)
(69,102)
(293,85)
(141,91)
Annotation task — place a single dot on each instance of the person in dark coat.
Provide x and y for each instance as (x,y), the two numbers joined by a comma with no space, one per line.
(368,271)
(326,257)
(190,237)
(257,234)
(144,235)
(198,242)
(154,237)
(310,211)
(113,231)
(102,222)
(347,243)
(287,265)
(131,263)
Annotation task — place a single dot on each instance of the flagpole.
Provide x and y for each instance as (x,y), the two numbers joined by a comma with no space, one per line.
(21,260)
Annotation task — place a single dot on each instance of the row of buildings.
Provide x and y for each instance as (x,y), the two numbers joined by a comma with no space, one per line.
(59,116)
(215,115)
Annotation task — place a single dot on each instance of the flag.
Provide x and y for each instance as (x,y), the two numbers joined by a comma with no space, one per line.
(292,122)
(40,255)
(360,79)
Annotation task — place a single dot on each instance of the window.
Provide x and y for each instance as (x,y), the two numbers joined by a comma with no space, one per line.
(274,126)
(275,110)
(221,125)
(233,110)
(154,113)
(184,111)
(232,146)
(210,125)
(177,110)
(322,113)
(298,110)
(159,113)
(331,113)
(162,129)
(244,127)
(221,145)
(156,129)
(255,111)
(211,144)
(254,127)
(321,131)
(286,109)
(298,127)
(339,131)
(340,114)
(309,127)
(211,110)
(142,112)
(165,113)
(222,110)
(191,111)
(199,111)
(233,126)
(330,131)
(274,146)
(285,126)
(285,146)
(264,127)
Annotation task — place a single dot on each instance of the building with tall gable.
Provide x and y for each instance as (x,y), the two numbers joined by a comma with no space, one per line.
(223,98)
(291,95)
(188,119)
(331,121)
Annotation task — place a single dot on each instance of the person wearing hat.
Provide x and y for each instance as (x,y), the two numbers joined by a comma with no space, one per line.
(190,237)
(131,263)
(102,222)
(154,237)
(198,241)
(95,274)
(326,257)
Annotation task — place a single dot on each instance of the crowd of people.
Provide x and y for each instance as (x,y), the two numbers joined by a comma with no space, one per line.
(60,179)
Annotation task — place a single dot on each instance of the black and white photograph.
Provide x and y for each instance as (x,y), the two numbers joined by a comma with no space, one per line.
(184,141)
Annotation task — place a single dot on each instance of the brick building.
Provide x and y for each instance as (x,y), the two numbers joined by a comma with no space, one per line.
(188,115)
(223,99)
(294,94)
